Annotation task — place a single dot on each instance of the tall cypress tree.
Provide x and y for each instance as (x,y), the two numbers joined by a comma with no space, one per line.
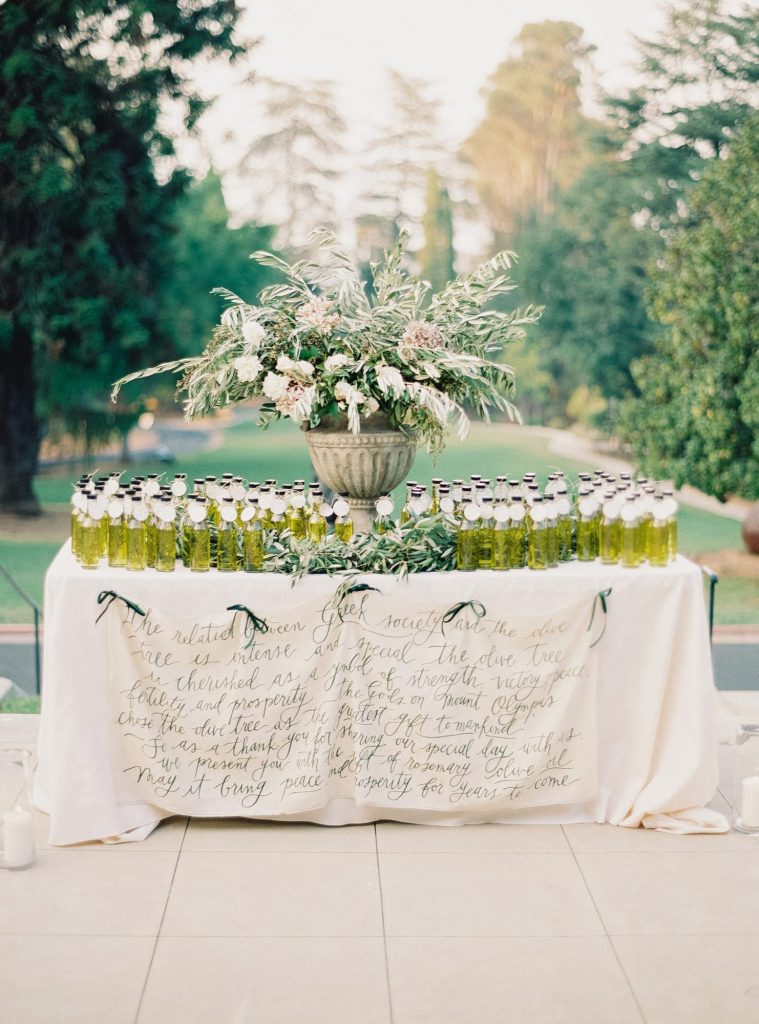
(84,222)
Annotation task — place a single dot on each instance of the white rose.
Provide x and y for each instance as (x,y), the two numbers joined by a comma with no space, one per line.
(345,392)
(274,386)
(285,363)
(247,368)
(335,362)
(389,380)
(305,367)
(253,333)
(372,405)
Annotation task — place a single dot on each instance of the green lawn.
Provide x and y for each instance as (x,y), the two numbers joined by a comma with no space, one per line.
(281,452)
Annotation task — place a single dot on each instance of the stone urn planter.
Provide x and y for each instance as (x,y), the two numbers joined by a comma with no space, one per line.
(362,466)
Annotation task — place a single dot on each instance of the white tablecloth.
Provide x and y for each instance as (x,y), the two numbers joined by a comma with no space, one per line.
(656,716)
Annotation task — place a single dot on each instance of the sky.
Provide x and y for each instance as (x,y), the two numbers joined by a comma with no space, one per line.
(454,44)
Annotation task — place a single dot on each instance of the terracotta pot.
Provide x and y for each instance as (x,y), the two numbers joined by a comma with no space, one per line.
(750,529)
(362,466)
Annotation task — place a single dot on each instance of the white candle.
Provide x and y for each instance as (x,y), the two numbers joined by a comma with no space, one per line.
(750,802)
(18,838)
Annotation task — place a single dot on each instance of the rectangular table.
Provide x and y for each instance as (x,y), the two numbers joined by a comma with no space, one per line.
(645,752)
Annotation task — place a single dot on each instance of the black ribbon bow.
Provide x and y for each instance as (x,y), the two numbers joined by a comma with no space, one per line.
(105,594)
(599,599)
(343,591)
(257,625)
(477,607)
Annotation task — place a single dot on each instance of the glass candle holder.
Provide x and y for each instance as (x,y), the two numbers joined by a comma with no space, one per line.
(746,780)
(16,815)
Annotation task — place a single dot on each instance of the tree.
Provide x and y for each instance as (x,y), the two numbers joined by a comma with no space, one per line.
(437,255)
(698,417)
(204,253)
(699,79)
(83,221)
(587,265)
(403,150)
(533,137)
(293,164)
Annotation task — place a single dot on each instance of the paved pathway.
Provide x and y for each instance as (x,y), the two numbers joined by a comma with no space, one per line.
(234,922)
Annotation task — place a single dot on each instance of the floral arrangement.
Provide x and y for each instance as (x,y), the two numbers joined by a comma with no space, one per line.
(321,348)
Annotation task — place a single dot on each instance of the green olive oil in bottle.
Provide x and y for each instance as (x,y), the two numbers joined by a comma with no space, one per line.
(586,527)
(468,538)
(200,545)
(90,533)
(253,538)
(116,532)
(226,537)
(609,534)
(501,560)
(136,535)
(343,522)
(538,538)
(166,542)
(485,538)
(629,534)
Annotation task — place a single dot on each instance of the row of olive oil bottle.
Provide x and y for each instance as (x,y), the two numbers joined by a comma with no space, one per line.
(222,523)
(515,524)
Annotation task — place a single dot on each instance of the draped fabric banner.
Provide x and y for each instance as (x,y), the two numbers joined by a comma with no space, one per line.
(385,702)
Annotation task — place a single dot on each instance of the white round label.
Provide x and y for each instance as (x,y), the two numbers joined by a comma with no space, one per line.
(383,506)
(537,513)
(501,513)
(325,509)
(298,500)
(196,512)
(562,506)
(212,490)
(486,512)
(629,514)
(341,507)
(587,507)
(178,488)
(228,513)
(247,514)
(151,487)
(115,508)
(447,504)
(277,506)
(165,512)
(95,511)
(111,485)
(140,513)
(265,499)
(611,509)
(472,513)
(237,491)
(517,513)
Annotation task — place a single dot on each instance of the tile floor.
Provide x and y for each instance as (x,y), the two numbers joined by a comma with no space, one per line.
(232,922)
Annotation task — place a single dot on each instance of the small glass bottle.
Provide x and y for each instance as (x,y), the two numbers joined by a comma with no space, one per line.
(517,533)
(658,554)
(166,543)
(277,512)
(552,530)
(468,538)
(90,533)
(316,523)
(609,535)
(185,529)
(200,544)
(136,535)
(407,509)
(563,522)
(226,536)
(296,516)
(629,547)
(151,536)
(116,531)
(538,536)
(435,497)
(253,537)
(501,560)
(485,539)
(383,508)
(671,506)
(343,521)
(586,527)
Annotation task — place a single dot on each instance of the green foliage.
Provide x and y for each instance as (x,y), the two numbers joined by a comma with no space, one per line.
(698,80)
(587,265)
(426,545)
(698,418)
(204,251)
(85,224)
(533,137)
(319,348)
(437,255)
